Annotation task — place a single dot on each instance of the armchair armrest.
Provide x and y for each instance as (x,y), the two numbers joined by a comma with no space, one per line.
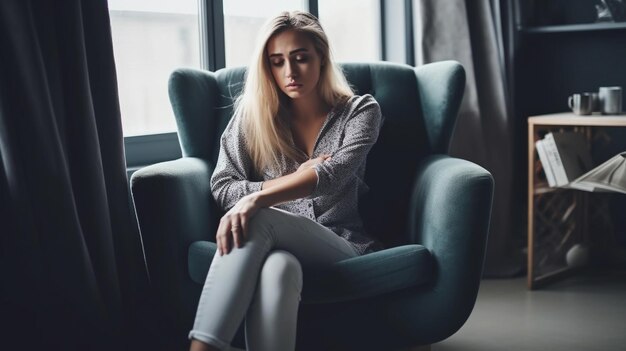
(174,208)
(450,212)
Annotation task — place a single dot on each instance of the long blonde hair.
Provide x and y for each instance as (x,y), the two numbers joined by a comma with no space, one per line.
(261,104)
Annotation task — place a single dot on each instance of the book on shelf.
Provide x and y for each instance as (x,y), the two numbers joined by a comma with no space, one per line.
(568,155)
(566,160)
(543,157)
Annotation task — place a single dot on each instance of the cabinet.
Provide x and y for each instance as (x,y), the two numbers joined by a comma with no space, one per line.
(558,216)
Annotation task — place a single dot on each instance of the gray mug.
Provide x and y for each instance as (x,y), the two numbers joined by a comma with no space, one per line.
(610,100)
(581,104)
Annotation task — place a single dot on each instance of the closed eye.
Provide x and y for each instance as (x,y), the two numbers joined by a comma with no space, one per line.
(278,63)
(298,59)
(301,58)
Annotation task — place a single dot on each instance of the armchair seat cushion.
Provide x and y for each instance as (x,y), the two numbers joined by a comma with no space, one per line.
(360,277)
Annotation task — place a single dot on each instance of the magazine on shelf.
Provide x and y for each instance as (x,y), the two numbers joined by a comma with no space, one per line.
(609,176)
(566,160)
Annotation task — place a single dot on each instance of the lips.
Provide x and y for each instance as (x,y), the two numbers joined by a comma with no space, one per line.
(293,85)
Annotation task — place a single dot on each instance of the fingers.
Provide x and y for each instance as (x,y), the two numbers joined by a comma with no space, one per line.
(235,229)
(234,224)
(321,158)
(221,238)
(224,245)
(218,240)
(244,227)
(314,161)
(318,159)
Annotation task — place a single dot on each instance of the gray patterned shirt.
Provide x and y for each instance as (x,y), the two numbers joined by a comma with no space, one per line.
(348,134)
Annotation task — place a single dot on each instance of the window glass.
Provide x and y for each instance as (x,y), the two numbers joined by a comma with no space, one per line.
(243,20)
(353,28)
(151,38)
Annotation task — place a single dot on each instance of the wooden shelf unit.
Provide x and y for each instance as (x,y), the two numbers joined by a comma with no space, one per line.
(562,202)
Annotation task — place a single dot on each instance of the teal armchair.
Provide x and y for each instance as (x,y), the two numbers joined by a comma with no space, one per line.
(431,211)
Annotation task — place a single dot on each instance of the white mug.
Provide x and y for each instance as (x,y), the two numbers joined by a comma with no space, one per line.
(580,104)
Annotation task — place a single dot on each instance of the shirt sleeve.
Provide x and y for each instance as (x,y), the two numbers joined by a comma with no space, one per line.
(360,133)
(231,179)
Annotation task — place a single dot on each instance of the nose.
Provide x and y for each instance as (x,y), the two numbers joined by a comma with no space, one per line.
(290,71)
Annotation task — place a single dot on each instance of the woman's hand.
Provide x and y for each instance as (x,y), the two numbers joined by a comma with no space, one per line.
(314,161)
(234,224)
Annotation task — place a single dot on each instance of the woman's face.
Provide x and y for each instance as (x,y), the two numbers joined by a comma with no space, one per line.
(295,63)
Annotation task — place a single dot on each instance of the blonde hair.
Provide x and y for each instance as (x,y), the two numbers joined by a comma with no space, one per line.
(261,105)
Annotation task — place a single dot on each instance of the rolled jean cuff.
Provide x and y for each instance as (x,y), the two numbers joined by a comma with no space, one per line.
(209,339)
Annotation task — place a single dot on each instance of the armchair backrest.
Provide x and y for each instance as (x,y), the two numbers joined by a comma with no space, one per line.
(419,106)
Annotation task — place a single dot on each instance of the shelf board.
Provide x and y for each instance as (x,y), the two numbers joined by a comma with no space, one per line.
(585,27)
(570,119)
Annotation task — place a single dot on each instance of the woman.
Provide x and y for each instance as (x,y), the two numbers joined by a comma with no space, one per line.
(289,172)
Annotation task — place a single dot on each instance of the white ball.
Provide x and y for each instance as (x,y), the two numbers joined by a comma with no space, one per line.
(577,255)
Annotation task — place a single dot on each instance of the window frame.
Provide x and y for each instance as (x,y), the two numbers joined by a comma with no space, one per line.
(143,150)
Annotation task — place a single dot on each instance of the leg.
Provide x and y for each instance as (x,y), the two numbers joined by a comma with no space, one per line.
(232,278)
(201,346)
(272,317)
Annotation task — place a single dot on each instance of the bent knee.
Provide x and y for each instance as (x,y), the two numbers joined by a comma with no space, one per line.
(283,270)
(262,223)
(263,219)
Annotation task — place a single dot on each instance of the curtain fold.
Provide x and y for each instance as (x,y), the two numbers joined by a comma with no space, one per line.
(71,250)
(471,33)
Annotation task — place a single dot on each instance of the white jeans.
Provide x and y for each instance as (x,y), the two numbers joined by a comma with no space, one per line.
(262,281)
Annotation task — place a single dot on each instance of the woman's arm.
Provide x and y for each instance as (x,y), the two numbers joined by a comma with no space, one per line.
(234,224)
(296,185)
(232,177)
(230,181)
(290,187)
(360,133)
(310,164)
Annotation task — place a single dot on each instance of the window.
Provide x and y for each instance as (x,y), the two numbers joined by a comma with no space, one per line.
(353,28)
(151,38)
(242,21)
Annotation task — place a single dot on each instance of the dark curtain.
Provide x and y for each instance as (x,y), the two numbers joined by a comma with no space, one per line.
(476,33)
(71,259)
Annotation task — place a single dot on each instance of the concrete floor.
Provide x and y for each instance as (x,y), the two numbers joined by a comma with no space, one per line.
(585,312)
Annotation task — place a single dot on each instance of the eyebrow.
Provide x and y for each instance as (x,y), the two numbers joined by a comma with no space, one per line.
(292,52)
